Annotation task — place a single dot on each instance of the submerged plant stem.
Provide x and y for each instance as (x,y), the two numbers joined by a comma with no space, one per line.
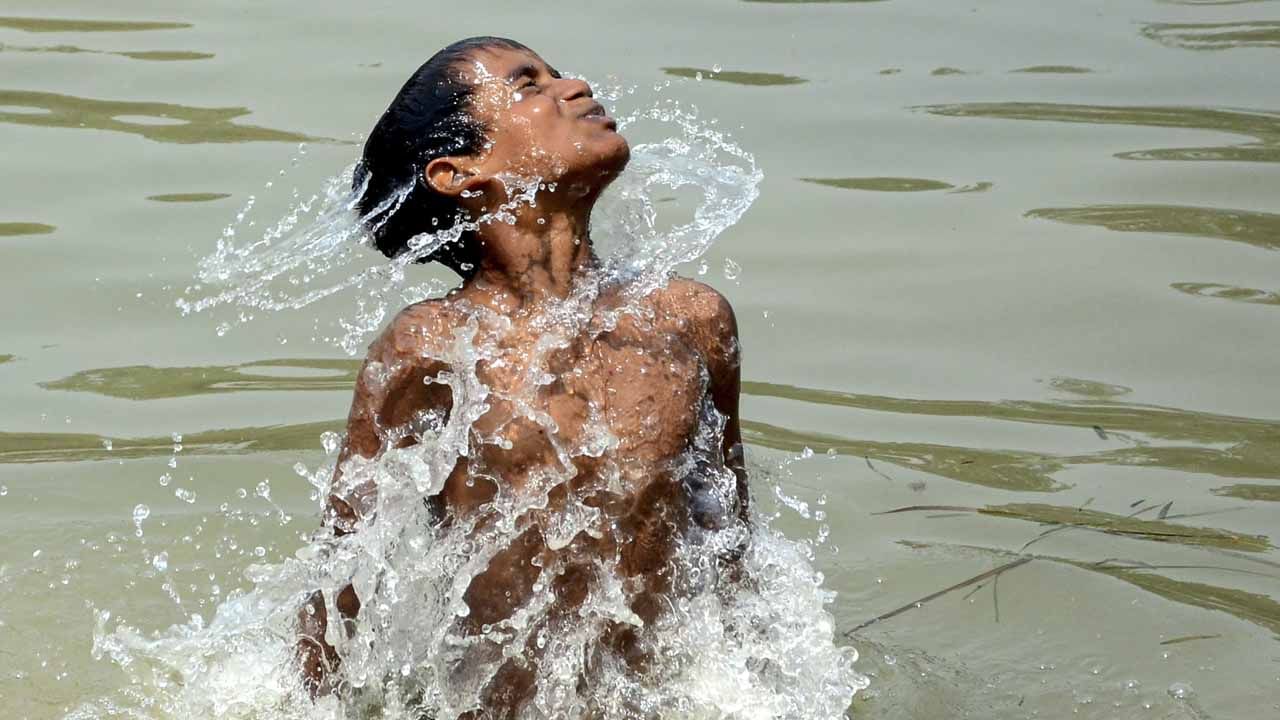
(993,573)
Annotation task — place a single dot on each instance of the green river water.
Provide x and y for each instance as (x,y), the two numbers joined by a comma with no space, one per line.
(1013,273)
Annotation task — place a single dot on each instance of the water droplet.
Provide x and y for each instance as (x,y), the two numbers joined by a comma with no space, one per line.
(330,441)
(1181,691)
(731,269)
(106,443)
(140,512)
(160,562)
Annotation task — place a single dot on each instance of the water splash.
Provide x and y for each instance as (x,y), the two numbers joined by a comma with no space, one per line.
(749,638)
(322,247)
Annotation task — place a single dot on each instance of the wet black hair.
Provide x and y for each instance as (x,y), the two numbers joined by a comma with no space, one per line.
(429,118)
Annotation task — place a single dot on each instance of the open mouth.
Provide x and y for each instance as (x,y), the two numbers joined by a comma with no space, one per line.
(596,112)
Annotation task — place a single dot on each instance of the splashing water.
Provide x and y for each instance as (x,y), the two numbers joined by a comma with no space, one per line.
(752,639)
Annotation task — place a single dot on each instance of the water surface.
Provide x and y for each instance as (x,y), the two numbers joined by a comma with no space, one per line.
(1076,364)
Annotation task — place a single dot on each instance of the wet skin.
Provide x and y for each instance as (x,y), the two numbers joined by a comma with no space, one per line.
(646,379)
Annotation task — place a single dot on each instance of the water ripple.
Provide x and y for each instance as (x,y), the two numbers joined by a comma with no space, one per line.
(1259,229)
(151,55)
(1215,36)
(1195,442)
(145,382)
(184,124)
(70,25)
(1262,125)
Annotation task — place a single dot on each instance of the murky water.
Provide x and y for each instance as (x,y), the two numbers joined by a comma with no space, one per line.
(984,283)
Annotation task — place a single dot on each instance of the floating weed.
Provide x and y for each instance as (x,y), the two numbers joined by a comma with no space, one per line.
(1215,36)
(188,197)
(735,77)
(993,574)
(1189,638)
(1091,389)
(1155,530)
(165,55)
(1252,296)
(1127,526)
(1250,491)
(1251,607)
(13,229)
(1054,70)
(882,184)
(978,187)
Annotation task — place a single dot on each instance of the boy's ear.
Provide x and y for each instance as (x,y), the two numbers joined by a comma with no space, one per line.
(450,176)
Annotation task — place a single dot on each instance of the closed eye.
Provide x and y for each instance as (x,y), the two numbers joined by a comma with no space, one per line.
(526,88)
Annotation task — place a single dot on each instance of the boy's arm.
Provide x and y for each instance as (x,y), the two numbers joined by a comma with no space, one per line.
(391,389)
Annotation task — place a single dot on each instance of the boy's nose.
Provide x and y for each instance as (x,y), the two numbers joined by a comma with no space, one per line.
(574,89)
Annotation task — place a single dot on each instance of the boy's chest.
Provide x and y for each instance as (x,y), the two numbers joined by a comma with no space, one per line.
(627,397)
